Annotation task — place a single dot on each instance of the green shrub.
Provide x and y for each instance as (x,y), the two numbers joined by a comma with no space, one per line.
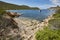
(48,34)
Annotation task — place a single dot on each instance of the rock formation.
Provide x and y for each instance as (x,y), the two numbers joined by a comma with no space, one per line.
(8,28)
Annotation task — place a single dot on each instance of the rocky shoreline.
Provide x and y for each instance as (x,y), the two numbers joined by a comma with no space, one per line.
(14,28)
(28,28)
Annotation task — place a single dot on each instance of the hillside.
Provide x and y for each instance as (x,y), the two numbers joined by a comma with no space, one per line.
(8,6)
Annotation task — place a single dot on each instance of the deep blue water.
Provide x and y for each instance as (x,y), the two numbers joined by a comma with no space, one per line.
(34,14)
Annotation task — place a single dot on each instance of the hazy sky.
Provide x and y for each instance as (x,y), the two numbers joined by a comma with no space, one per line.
(35,3)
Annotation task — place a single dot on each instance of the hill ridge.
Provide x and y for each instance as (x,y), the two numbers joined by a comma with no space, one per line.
(9,6)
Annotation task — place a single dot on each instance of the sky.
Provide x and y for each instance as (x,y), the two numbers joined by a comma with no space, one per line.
(42,4)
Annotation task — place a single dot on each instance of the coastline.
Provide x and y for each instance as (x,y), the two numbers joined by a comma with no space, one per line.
(26,20)
(24,29)
(29,27)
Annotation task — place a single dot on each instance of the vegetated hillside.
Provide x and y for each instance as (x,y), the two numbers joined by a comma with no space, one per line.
(56,21)
(8,6)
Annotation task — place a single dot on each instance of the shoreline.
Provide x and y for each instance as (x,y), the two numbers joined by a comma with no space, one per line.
(29,27)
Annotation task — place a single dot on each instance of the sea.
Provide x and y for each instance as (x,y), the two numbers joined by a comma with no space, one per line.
(34,14)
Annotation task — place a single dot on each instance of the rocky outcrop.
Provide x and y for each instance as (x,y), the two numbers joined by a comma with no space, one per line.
(8,28)
(13,14)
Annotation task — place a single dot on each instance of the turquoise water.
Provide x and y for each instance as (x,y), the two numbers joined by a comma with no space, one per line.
(34,14)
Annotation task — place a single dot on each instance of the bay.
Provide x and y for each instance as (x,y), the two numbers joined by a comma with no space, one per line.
(34,14)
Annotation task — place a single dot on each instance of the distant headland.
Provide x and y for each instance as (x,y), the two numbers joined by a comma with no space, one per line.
(55,8)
